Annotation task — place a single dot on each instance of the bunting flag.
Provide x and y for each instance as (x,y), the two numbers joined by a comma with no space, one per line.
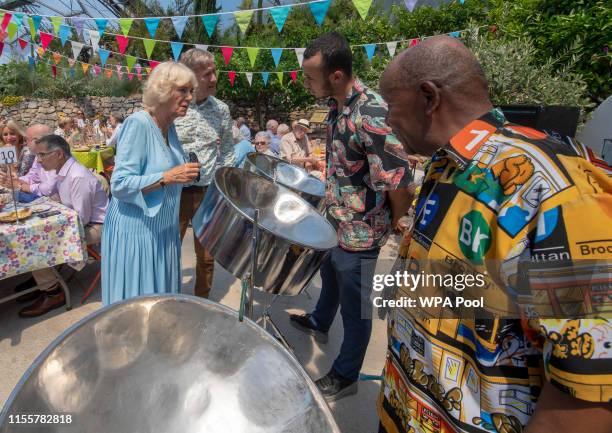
(455,34)
(57,22)
(265,76)
(414,42)
(232,77)
(152,24)
(23,43)
(227,54)
(149,44)
(130,62)
(97,70)
(319,10)
(119,71)
(1,47)
(152,64)
(201,47)
(179,24)
(243,19)
(410,4)
(45,40)
(12,31)
(369,49)
(252,53)
(294,76)
(57,58)
(39,51)
(64,33)
(78,26)
(76,49)
(122,43)
(280,78)
(108,73)
(125,24)
(138,67)
(54,70)
(6,19)
(392,47)
(276,55)
(139,77)
(210,23)
(103,56)
(94,39)
(34,25)
(31,63)
(130,76)
(362,6)
(299,52)
(18,18)
(249,77)
(177,47)
(148,69)
(101,24)
(279,15)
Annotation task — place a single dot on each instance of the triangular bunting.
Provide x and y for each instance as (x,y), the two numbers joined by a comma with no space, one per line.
(57,22)
(12,29)
(414,42)
(40,51)
(152,24)
(252,53)
(76,49)
(249,77)
(94,39)
(101,24)
(179,24)
(227,54)
(319,10)
(243,19)
(31,63)
(122,43)
(22,43)
(410,4)
(392,46)
(78,26)
(18,18)
(232,77)
(57,57)
(177,47)
(103,55)
(6,19)
(362,6)
(54,70)
(1,47)
(108,73)
(265,76)
(148,70)
(130,61)
(130,76)
(299,52)
(119,69)
(280,77)
(369,49)
(138,68)
(45,40)
(276,55)
(149,44)
(85,67)
(34,25)
(153,64)
(64,33)
(279,15)
(293,76)
(455,34)
(201,47)
(97,70)
(210,23)
(125,24)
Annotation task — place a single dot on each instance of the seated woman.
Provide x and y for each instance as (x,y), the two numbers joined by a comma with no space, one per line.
(141,245)
(13,134)
(262,143)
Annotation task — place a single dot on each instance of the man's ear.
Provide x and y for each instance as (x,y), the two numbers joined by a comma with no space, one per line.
(336,77)
(431,93)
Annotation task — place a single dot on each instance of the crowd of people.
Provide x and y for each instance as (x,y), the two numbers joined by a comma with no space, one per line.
(493,195)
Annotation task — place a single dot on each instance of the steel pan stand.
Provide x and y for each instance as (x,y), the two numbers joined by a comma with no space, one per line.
(266,322)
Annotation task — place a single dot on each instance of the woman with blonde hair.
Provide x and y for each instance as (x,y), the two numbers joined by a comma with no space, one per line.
(13,134)
(141,247)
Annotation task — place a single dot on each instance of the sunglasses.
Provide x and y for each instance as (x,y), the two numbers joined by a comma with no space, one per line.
(257,143)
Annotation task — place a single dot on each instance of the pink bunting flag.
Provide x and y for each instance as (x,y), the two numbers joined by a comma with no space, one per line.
(138,69)
(227,54)
(414,42)
(153,64)
(54,70)
(45,39)
(1,47)
(130,76)
(139,77)
(122,43)
(232,77)
(6,20)
(22,43)
(293,76)
(119,71)
(97,70)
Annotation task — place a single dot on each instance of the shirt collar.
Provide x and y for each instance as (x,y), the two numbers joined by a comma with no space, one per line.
(62,172)
(352,96)
(464,145)
(203,103)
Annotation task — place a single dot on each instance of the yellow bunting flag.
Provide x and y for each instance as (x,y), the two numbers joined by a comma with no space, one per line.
(243,19)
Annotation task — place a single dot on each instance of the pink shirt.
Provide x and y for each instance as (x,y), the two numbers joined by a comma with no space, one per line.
(40,181)
(80,190)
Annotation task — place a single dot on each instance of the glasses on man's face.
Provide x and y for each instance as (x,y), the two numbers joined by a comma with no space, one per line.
(41,155)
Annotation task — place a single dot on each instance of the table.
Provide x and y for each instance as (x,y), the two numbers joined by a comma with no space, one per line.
(37,243)
(94,158)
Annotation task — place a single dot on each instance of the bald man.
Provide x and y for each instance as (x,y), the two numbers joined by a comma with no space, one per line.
(511,207)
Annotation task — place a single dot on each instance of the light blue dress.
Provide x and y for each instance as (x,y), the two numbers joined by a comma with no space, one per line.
(141,246)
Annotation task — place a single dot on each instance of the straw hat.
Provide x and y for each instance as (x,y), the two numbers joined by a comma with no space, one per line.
(304,123)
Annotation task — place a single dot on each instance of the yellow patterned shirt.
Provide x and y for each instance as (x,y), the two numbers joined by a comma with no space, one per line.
(534,216)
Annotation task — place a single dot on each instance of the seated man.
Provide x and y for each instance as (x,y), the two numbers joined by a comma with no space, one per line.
(38,181)
(295,146)
(245,132)
(78,189)
(272,130)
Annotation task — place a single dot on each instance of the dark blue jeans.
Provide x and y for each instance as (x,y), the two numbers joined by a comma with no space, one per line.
(347,283)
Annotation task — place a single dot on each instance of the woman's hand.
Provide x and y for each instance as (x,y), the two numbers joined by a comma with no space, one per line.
(184,173)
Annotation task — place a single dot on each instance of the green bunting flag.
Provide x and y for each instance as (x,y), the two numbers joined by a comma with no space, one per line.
(57,22)
(252,52)
(243,19)
(130,61)
(362,6)
(125,24)
(149,44)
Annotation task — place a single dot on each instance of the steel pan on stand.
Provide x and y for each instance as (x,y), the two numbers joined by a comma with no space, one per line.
(167,364)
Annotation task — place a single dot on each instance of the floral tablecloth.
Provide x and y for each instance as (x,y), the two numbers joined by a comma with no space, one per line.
(37,243)
(94,158)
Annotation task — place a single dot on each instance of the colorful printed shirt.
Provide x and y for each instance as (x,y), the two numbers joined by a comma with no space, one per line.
(534,216)
(364,160)
(206,130)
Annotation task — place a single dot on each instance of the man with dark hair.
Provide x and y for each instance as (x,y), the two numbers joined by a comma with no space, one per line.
(532,218)
(78,189)
(367,180)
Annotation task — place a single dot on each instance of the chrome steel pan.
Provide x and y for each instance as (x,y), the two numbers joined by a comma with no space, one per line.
(295,178)
(294,237)
(168,364)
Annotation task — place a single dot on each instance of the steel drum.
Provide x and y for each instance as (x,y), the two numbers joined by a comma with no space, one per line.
(294,237)
(295,178)
(168,364)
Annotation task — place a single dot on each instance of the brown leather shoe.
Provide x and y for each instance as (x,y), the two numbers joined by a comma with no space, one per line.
(44,304)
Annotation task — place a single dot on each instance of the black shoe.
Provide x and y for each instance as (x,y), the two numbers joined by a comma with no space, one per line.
(28,297)
(334,387)
(306,323)
(27,284)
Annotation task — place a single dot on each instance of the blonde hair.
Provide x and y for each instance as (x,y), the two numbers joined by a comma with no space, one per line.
(163,80)
(15,127)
